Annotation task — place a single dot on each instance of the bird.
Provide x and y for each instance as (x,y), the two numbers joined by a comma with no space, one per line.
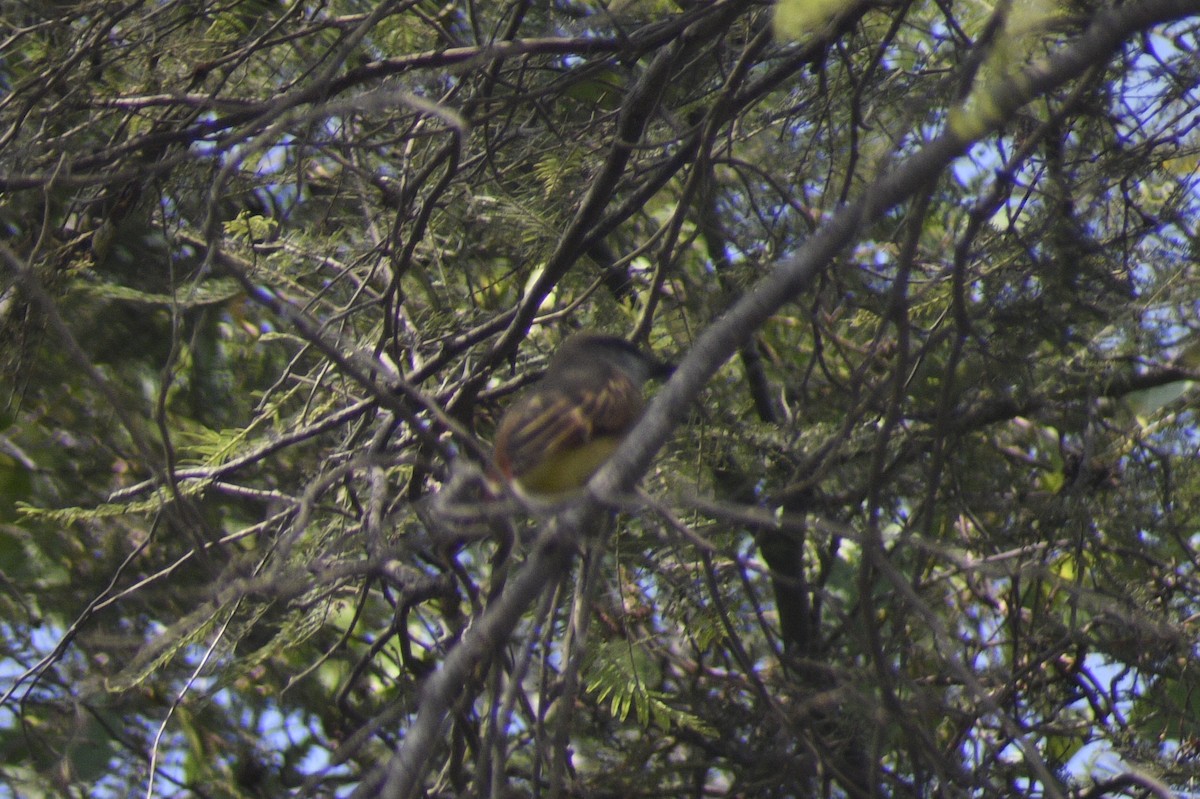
(560,431)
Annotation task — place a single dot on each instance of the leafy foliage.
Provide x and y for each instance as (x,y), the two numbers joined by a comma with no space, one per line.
(270,273)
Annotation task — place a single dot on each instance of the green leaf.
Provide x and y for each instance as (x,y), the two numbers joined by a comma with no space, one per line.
(91,750)
(16,485)
(797,19)
(1145,403)
(210,292)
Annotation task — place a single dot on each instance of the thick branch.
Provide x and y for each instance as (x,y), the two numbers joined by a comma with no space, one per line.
(795,274)
(788,279)
(482,640)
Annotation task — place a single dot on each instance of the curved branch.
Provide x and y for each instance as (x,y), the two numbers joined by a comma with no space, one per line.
(480,642)
(553,555)
(795,274)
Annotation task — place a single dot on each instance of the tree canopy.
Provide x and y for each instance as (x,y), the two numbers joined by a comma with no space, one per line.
(917,514)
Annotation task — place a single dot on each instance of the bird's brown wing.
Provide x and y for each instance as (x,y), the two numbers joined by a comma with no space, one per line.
(564,413)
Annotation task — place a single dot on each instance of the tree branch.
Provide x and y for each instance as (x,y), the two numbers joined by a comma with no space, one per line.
(795,274)
(549,561)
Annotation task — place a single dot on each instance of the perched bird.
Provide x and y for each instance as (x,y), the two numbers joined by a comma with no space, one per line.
(559,432)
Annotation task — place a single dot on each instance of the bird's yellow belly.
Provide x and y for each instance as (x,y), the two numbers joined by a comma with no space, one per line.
(568,471)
